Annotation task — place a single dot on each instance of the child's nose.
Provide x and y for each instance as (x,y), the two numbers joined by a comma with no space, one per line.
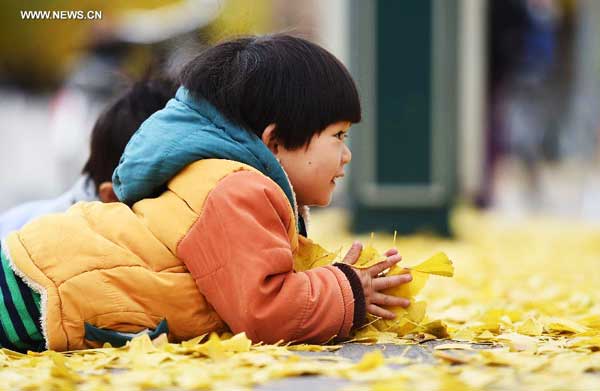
(346,155)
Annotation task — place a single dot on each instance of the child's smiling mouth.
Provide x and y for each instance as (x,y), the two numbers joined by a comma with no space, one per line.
(335,178)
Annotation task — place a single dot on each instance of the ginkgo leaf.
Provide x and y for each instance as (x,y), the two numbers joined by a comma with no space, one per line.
(60,369)
(407,319)
(564,325)
(439,264)
(531,326)
(485,336)
(410,289)
(454,357)
(369,334)
(437,328)
(370,361)
(518,342)
(313,348)
(456,346)
(310,255)
(218,348)
(592,343)
(194,341)
(369,256)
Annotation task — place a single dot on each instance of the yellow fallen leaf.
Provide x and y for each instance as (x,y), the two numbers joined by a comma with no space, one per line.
(518,342)
(60,369)
(591,343)
(369,256)
(370,335)
(523,360)
(313,348)
(591,320)
(439,264)
(141,344)
(486,336)
(455,346)
(217,348)
(496,357)
(421,337)
(369,361)
(193,342)
(454,357)
(436,327)
(564,325)
(310,255)
(466,334)
(408,290)
(407,319)
(12,354)
(161,340)
(494,319)
(531,326)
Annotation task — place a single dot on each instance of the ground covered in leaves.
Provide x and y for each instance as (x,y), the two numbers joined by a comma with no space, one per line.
(521,312)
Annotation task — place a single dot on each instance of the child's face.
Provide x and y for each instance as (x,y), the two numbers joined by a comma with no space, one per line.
(313,171)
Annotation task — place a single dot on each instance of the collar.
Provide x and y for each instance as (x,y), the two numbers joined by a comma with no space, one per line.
(186,130)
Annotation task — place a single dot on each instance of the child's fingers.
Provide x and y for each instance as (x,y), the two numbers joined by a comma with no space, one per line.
(389,300)
(390,252)
(353,254)
(381,312)
(382,283)
(381,266)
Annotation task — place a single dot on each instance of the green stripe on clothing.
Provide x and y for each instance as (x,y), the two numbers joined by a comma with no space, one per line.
(36,299)
(11,281)
(7,324)
(19,305)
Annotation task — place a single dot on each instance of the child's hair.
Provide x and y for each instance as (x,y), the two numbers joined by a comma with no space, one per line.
(280,79)
(119,121)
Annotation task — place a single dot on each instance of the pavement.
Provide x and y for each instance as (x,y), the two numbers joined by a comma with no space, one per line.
(422,353)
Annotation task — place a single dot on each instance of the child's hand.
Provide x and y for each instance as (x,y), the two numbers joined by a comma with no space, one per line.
(372,284)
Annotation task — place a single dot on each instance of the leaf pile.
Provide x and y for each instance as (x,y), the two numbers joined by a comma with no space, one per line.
(407,319)
(528,289)
(311,255)
(522,311)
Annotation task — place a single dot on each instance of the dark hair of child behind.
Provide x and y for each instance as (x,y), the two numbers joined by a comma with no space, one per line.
(119,121)
(280,79)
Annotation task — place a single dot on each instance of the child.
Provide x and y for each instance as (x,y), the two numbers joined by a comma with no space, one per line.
(205,238)
(111,132)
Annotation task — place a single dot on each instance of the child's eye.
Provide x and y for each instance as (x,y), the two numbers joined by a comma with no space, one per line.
(341,135)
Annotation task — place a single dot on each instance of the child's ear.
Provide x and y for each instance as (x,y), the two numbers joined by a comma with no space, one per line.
(268,137)
(106,192)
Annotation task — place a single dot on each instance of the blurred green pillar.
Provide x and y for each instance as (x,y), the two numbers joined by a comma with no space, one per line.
(403,56)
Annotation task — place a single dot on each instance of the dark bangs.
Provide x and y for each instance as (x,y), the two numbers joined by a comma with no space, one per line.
(280,79)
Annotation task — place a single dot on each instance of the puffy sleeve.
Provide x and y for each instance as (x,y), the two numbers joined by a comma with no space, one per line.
(240,256)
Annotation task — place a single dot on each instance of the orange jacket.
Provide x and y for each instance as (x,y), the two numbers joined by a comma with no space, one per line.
(217,246)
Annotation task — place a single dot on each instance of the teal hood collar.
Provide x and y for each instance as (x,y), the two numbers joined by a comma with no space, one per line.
(187,130)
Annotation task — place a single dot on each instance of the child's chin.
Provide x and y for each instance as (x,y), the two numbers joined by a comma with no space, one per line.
(325,202)
(320,204)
